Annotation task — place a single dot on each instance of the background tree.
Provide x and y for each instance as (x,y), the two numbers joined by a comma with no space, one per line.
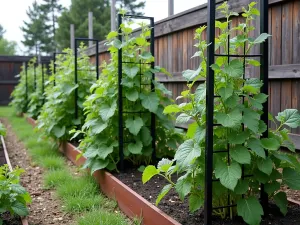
(36,32)
(6,47)
(77,14)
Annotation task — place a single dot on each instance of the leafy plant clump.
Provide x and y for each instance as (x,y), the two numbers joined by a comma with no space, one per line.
(20,99)
(13,197)
(57,116)
(238,110)
(100,143)
(2,130)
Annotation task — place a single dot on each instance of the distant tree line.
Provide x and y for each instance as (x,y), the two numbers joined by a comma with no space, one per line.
(48,27)
(6,47)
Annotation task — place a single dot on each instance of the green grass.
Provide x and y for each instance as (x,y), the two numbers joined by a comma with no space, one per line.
(102,218)
(80,194)
(55,178)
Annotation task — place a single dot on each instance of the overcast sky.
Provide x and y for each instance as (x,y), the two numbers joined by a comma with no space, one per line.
(13,12)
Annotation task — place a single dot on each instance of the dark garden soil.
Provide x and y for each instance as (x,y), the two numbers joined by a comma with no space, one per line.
(2,156)
(179,210)
(45,208)
(10,220)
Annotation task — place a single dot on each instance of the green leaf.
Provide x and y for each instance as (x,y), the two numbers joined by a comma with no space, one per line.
(183,118)
(291,178)
(135,148)
(195,202)
(251,119)
(146,55)
(281,201)
(150,101)
(183,186)
(132,95)
(107,111)
(19,208)
(238,137)
(59,131)
(255,145)
(163,192)
(232,119)
(164,165)
(265,165)
(187,152)
(270,143)
(189,75)
(226,92)
(234,68)
(98,164)
(171,109)
(250,209)
(148,173)
(261,177)
(195,132)
(112,34)
(141,168)
(253,62)
(290,145)
(146,136)
(289,117)
(240,154)
(270,188)
(241,187)
(131,71)
(140,41)
(261,38)
(134,125)
(200,93)
(98,127)
(228,175)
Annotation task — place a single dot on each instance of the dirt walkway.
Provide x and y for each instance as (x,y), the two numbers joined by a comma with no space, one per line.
(45,208)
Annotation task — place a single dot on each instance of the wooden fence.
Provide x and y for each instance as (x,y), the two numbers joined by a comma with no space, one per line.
(174,46)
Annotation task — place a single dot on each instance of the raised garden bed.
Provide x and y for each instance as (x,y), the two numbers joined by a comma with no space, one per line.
(8,219)
(138,200)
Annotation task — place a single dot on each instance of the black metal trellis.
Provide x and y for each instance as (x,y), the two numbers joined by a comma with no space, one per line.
(123,113)
(210,97)
(54,63)
(26,84)
(34,75)
(76,69)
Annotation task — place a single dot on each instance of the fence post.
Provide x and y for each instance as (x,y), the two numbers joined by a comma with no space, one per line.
(72,36)
(90,28)
(113,15)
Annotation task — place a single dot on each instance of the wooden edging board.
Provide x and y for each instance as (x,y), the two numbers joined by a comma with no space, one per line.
(23,219)
(131,204)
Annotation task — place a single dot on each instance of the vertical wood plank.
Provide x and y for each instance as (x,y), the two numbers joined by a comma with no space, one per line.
(287,34)
(175,55)
(276,36)
(296,100)
(270,32)
(180,51)
(275,97)
(170,52)
(296,32)
(185,49)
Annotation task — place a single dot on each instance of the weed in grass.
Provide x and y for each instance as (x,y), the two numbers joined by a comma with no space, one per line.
(100,217)
(55,178)
(83,186)
(52,162)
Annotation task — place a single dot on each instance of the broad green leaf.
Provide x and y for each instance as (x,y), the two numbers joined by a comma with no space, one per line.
(132,95)
(265,165)
(91,152)
(150,101)
(195,132)
(253,62)
(161,87)
(226,92)
(241,187)
(141,168)
(187,152)
(183,118)
(240,154)
(232,119)
(135,148)
(189,75)
(270,143)
(134,125)
(200,92)
(140,41)
(146,55)
(146,136)
(98,128)
(234,68)
(163,192)
(112,34)
(255,145)
(281,201)
(251,119)
(107,111)
(228,175)
(164,165)
(261,38)
(270,188)
(261,177)
(262,127)
(290,145)
(291,160)
(19,208)
(195,202)
(59,131)
(131,71)
(238,137)
(255,83)
(183,186)
(148,173)
(289,117)
(291,178)
(98,164)
(171,109)
(250,209)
